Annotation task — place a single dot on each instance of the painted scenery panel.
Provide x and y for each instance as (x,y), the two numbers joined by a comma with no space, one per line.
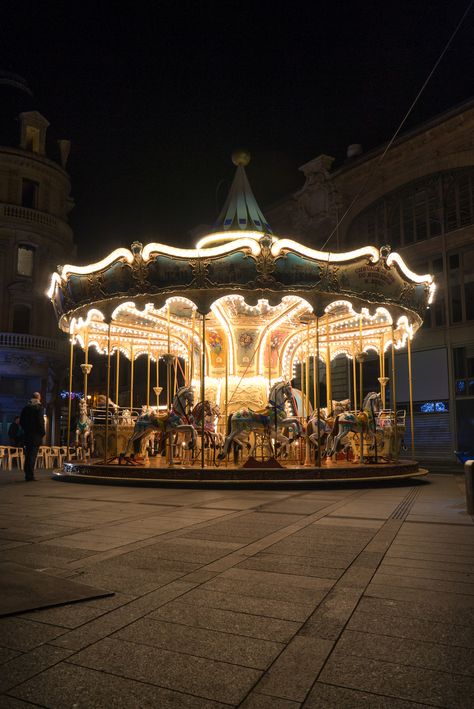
(235,269)
(164,272)
(294,270)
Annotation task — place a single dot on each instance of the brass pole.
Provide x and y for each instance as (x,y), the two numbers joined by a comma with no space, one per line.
(148,377)
(117,375)
(308,451)
(69,411)
(307,367)
(269,362)
(132,367)
(318,388)
(192,346)
(394,395)
(314,373)
(410,389)
(361,388)
(354,376)
(226,392)
(86,361)
(203,385)
(168,362)
(157,377)
(328,370)
(175,368)
(107,405)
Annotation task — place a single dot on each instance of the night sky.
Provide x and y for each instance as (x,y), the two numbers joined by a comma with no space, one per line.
(155,97)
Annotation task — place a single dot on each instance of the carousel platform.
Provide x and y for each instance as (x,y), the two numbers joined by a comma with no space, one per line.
(263,474)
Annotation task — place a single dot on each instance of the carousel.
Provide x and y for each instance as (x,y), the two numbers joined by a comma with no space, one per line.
(240,336)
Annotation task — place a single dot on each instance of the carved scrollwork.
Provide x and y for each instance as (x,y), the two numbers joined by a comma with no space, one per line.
(200,269)
(265,262)
(139,268)
(330,279)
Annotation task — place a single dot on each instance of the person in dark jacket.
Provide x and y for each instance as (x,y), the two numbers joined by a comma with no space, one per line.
(15,434)
(32,423)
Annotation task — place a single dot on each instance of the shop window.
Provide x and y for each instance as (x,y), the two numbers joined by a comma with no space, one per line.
(459,355)
(25,260)
(21,319)
(29,193)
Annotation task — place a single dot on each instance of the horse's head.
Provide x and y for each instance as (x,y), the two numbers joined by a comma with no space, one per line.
(372,402)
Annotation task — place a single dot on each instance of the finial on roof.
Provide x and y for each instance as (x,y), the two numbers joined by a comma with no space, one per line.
(241,157)
(241,211)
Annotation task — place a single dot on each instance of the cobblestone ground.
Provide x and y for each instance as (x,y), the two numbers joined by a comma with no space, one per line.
(321,598)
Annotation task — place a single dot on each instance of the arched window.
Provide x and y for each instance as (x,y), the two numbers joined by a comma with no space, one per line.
(21,318)
(439,203)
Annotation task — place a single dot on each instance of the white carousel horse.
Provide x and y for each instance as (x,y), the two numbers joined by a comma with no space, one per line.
(317,429)
(362,423)
(212,439)
(84,433)
(269,420)
(168,424)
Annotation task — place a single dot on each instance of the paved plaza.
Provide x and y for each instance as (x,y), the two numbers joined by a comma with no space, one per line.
(323,598)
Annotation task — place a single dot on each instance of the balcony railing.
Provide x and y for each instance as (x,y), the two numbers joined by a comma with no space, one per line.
(16,340)
(30,215)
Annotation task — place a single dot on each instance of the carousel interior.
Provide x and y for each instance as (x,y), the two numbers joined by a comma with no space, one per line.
(238,373)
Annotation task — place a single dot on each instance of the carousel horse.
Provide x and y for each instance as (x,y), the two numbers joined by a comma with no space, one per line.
(318,428)
(362,423)
(269,420)
(84,435)
(168,424)
(212,439)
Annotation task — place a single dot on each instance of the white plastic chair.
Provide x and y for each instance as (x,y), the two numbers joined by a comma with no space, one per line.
(15,454)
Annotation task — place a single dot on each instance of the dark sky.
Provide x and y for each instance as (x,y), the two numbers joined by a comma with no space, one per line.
(155,97)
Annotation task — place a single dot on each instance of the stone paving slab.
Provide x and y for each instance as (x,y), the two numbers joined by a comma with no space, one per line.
(404,651)
(328,696)
(65,686)
(412,628)
(229,621)
(257,599)
(202,642)
(208,679)
(440,689)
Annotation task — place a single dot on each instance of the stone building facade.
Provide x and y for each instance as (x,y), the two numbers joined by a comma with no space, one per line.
(34,237)
(420,200)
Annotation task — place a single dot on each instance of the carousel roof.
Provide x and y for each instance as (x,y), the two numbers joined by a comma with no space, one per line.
(242,258)
(240,210)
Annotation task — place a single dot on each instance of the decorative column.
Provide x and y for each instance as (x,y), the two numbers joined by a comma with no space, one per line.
(394,396)
(383,380)
(69,410)
(117,374)
(107,406)
(86,369)
(148,376)
(410,390)
(328,370)
(318,402)
(203,384)
(132,367)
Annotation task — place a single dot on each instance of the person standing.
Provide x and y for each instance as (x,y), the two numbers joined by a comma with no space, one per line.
(32,423)
(15,434)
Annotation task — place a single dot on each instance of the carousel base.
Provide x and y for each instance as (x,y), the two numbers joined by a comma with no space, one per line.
(264,474)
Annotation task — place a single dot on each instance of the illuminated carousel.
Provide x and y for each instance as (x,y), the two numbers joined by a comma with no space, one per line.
(233,320)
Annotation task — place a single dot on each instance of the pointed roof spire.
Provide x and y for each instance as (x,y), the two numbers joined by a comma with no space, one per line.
(241,211)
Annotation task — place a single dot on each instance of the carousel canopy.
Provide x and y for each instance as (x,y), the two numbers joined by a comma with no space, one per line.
(264,297)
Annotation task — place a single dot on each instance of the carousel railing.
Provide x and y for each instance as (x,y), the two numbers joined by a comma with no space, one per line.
(119,415)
